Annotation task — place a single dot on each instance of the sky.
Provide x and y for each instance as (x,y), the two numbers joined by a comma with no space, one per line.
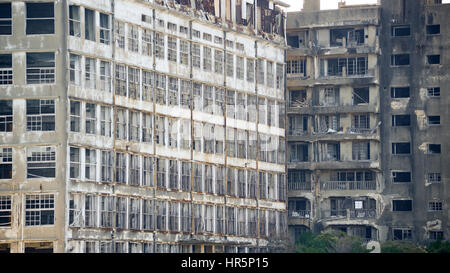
(296,5)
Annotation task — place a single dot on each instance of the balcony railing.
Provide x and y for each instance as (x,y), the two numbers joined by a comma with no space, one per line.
(363,213)
(338,213)
(349,185)
(361,130)
(304,214)
(299,186)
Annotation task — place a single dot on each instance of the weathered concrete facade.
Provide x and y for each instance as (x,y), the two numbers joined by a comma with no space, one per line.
(142,126)
(359,153)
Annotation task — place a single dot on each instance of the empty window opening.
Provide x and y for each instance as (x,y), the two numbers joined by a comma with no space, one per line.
(399,59)
(6,68)
(39,210)
(298,152)
(433,59)
(434,91)
(40,18)
(298,124)
(346,37)
(401,120)
(40,67)
(360,95)
(400,92)
(401,148)
(434,148)
(398,31)
(436,235)
(433,29)
(39,247)
(434,120)
(297,98)
(402,205)
(401,177)
(6,115)
(293,41)
(5,19)
(40,115)
(89,24)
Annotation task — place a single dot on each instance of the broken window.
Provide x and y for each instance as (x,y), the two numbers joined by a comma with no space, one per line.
(401,120)
(270,75)
(89,24)
(209,218)
(90,164)
(292,40)
(241,183)
(173,92)
(398,31)
(399,59)
(160,92)
(40,18)
(147,214)
(120,34)
(196,55)
(39,210)
(6,115)
(6,69)
(133,44)
(330,97)
(241,144)
(262,185)
(75,162)
(209,179)
(434,92)
(219,101)
(90,211)
(401,148)
(296,66)
(147,173)
(75,69)
(199,225)
(401,177)
(434,177)
(41,162)
(105,121)
(185,176)
(208,138)
(231,182)
(361,150)
(159,45)
(330,151)
(262,223)
(161,172)
(346,37)
(231,102)
(241,222)
(261,74)
(5,210)
(146,45)
(134,172)
(104,29)
(40,67)
(105,76)
(174,215)
(160,129)
(218,61)
(207,58)
(173,174)
(121,80)
(121,213)
(106,211)
(134,215)
(434,148)
(147,124)
(91,118)
(298,152)
(433,59)
(6,163)
(402,234)
(240,68)
(435,206)
(134,83)
(186,217)
(121,124)
(280,76)
(231,142)
(184,52)
(230,64)
(360,95)
(147,83)
(402,205)
(90,73)
(220,220)
(400,92)
(433,29)
(134,125)
(40,115)
(184,30)
(230,220)
(197,141)
(121,168)
(5,19)
(434,120)
(185,94)
(250,70)
(106,166)
(172,49)
(197,177)
(241,112)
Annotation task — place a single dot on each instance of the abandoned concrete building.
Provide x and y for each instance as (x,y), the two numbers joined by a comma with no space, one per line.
(367,121)
(142,126)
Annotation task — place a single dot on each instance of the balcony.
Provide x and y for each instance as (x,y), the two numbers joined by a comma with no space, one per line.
(363,213)
(302,214)
(299,186)
(348,185)
(330,214)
